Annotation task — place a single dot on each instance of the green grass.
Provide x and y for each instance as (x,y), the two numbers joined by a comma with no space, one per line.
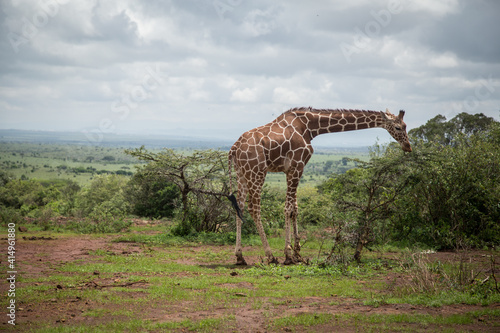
(138,325)
(184,277)
(381,321)
(303,319)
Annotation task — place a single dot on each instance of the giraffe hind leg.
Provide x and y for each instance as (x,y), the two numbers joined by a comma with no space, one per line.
(238,252)
(295,257)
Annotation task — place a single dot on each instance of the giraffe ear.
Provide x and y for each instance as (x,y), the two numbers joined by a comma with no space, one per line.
(386,115)
(401,114)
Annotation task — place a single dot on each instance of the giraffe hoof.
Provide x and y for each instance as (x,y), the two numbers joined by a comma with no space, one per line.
(240,261)
(272,260)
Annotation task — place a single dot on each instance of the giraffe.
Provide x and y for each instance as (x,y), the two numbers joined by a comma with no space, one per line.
(284,145)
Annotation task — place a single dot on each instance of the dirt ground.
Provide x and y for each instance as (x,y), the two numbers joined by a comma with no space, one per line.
(41,256)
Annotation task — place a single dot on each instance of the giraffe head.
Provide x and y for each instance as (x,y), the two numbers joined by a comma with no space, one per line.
(397,128)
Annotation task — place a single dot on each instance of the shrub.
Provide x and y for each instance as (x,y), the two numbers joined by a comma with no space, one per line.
(103,225)
(151,196)
(10,215)
(104,197)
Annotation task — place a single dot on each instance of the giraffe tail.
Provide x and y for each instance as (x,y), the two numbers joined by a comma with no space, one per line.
(236,207)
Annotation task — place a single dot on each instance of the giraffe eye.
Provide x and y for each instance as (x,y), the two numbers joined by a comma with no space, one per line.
(397,128)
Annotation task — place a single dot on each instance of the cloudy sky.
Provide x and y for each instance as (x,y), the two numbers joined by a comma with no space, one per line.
(216,68)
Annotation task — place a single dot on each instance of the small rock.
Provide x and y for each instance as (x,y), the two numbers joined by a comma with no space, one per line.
(287,277)
(59,286)
(22,229)
(233,273)
(96,273)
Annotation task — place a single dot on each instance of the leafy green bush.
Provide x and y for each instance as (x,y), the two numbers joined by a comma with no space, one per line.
(314,207)
(272,208)
(105,225)
(455,194)
(105,197)
(151,196)
(443,195)
(10,215)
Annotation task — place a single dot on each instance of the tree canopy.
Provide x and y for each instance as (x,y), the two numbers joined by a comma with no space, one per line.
(445,132)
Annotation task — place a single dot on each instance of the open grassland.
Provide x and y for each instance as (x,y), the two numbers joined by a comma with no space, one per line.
(148,280)
(63,161)
(80,163)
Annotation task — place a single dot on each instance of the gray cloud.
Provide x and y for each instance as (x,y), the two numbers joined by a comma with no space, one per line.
(218,68)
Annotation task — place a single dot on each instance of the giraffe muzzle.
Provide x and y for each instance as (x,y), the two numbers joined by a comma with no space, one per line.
(406,147)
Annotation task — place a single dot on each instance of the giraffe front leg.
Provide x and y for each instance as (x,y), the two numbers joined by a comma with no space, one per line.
(291,212)
(254,208)
(296,247)
(295,257)
(290,218)
(289,259)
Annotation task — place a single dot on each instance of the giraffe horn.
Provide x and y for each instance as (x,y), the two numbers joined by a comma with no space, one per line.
(387,111)
(401,114)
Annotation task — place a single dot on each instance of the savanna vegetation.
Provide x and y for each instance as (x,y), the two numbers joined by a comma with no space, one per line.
(377,218)
(443,195)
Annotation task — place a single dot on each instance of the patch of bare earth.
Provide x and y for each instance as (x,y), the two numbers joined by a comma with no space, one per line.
(40,257)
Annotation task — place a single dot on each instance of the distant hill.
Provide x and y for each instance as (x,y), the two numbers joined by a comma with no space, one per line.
(109,139)
(135,140)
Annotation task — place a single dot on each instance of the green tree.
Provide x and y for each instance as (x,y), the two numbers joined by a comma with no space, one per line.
(104,198)
(196,175)
(444,132)
(369,193)
(151,196)
(455,200)
(26,195)
(315,207)
(5,177)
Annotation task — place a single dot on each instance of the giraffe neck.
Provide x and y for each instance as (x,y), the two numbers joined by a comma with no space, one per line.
(340,120)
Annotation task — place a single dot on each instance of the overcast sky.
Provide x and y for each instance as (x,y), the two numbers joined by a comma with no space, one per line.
(217,68)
